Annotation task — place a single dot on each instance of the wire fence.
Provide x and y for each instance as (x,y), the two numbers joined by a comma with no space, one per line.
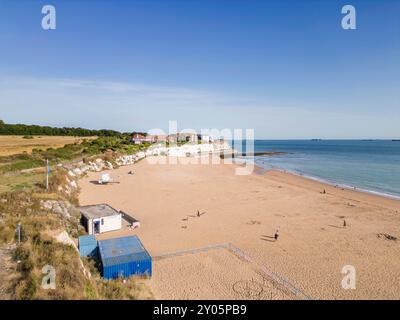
(270,274)
(190,251)
(264,270)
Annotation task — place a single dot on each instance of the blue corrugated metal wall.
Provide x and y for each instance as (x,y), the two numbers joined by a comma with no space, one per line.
(87,246)
(142,267)
(124,257)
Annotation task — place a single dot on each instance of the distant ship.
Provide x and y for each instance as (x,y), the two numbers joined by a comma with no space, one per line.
(316,139)
(398,140)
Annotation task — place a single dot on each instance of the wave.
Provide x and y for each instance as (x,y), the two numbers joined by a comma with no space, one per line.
(326,181)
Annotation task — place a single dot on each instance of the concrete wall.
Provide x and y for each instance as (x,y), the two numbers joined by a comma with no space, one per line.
(111,223)
(87,223)
(89,227)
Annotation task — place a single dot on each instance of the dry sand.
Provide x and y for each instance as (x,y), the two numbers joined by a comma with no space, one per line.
(201,277)
(246,210)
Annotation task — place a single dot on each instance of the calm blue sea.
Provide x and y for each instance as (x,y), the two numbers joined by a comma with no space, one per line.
(369,165)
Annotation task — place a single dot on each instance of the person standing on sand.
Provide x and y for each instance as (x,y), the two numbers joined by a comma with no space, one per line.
(198,213)
(276,235)
(344,224)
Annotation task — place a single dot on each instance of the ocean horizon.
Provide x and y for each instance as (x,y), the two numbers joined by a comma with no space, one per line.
(370,165)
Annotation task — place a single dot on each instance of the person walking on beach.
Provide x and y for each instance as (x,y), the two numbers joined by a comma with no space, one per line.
(344,224)
(276,235)
(198,213)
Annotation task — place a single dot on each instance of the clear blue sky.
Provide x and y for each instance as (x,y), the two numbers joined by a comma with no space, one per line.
(285,68)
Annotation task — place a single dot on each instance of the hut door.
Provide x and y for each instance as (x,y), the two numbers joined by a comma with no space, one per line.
(96,227)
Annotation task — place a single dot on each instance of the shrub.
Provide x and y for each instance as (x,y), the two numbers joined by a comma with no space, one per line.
(6,233)
(26,290)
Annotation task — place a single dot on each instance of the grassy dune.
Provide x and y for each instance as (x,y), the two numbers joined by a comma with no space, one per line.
(22,178)
(24,170)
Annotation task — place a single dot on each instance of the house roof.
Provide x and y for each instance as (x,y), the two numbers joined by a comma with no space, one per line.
(122,250)
(98,211)
(138,135)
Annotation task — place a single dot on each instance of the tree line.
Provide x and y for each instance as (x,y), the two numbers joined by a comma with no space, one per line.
(30,130)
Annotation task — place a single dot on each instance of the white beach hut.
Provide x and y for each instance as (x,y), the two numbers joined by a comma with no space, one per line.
(100,218)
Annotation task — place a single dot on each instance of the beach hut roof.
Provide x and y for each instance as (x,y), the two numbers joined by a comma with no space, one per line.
(98,211)
(122,250)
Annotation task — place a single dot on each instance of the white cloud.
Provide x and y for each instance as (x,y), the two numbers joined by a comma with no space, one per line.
(132,106)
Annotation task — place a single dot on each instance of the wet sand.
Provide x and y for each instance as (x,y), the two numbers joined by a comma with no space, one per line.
(311,251)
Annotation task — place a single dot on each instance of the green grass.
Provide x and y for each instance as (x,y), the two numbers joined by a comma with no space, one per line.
(20,196)
(13,177)
(19,165)
(20,181)
(39,249)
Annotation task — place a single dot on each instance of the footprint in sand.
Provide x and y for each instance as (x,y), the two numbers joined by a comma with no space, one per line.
(253,222)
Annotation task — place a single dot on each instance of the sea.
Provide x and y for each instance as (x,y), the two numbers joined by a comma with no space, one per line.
(368,165)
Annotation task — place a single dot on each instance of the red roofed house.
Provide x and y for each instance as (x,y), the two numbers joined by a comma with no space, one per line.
(138,138)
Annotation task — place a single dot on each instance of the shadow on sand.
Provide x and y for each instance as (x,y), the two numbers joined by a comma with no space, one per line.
(267,238)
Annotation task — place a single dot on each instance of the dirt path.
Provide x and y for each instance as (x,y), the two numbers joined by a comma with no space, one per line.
(7,267)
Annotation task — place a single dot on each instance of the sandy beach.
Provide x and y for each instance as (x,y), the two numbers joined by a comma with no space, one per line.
(311,251)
